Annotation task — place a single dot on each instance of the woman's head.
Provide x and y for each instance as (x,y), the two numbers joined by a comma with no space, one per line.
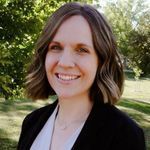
(108,82)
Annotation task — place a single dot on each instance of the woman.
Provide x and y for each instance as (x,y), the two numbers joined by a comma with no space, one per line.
(76,58)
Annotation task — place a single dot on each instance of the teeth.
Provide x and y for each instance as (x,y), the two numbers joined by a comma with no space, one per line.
(67,77)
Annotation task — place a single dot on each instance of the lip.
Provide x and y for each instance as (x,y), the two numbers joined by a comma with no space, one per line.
(67,74)
(66,81)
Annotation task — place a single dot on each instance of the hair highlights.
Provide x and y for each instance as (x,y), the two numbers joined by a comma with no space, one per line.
(109,79)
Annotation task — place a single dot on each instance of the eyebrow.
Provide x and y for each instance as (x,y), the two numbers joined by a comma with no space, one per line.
(79,44)
(82,44)
(55,42)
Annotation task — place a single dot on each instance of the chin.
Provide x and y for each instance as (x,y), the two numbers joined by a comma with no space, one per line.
(65,95)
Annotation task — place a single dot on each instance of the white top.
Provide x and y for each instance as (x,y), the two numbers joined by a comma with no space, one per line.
(43,140)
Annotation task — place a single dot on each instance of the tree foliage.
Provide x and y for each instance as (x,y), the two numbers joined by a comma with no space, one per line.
(130,21)
(20,25)
(23,20)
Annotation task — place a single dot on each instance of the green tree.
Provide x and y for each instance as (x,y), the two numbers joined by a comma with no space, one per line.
(20,26)
(130,22)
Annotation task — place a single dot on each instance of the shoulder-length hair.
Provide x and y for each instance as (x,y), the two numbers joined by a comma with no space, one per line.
(109,78)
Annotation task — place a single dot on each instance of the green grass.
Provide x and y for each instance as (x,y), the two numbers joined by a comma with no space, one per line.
(135,102)
(11,115)
(137,90)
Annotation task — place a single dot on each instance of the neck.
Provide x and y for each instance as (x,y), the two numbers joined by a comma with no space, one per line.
(74,109)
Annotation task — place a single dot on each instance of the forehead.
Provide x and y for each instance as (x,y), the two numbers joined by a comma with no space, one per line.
(74,29)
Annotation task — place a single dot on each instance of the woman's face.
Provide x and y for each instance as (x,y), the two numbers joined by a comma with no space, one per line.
(71,61)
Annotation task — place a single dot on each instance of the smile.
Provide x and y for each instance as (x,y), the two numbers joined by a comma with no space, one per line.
(65,77)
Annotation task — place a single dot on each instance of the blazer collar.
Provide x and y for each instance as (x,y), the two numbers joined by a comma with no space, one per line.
(94,123)
(38,125)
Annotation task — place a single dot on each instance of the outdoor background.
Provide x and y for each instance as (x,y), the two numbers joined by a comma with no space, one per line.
(21,22)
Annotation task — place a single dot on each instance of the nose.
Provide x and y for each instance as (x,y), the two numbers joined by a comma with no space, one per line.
(66,59)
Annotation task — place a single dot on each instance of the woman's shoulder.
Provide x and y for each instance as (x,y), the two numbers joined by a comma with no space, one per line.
(112,114)
(42,113)
(117,120)
(121,118)
(126,126)
(126,132)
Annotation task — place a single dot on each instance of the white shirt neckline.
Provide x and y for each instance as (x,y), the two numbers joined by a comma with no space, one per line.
(43,139)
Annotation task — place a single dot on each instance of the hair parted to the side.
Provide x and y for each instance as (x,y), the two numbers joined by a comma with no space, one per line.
(108,84)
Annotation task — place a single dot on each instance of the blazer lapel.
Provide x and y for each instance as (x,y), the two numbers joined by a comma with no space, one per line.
(94,124)
(37,125)
(87,138)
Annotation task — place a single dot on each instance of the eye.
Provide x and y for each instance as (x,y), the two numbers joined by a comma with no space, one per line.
(55,48)
(82,50)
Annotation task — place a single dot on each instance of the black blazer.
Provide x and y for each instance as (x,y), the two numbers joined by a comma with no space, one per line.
(106,128)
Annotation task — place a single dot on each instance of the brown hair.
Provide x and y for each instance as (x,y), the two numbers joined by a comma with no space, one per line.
(109,79)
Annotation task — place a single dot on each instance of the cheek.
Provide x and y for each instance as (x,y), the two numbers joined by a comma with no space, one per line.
(92,70)
(89,69)
(49,63)
(89,65)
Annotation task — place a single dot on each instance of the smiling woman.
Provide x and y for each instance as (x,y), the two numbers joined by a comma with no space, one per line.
(76,59)
(67,61)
